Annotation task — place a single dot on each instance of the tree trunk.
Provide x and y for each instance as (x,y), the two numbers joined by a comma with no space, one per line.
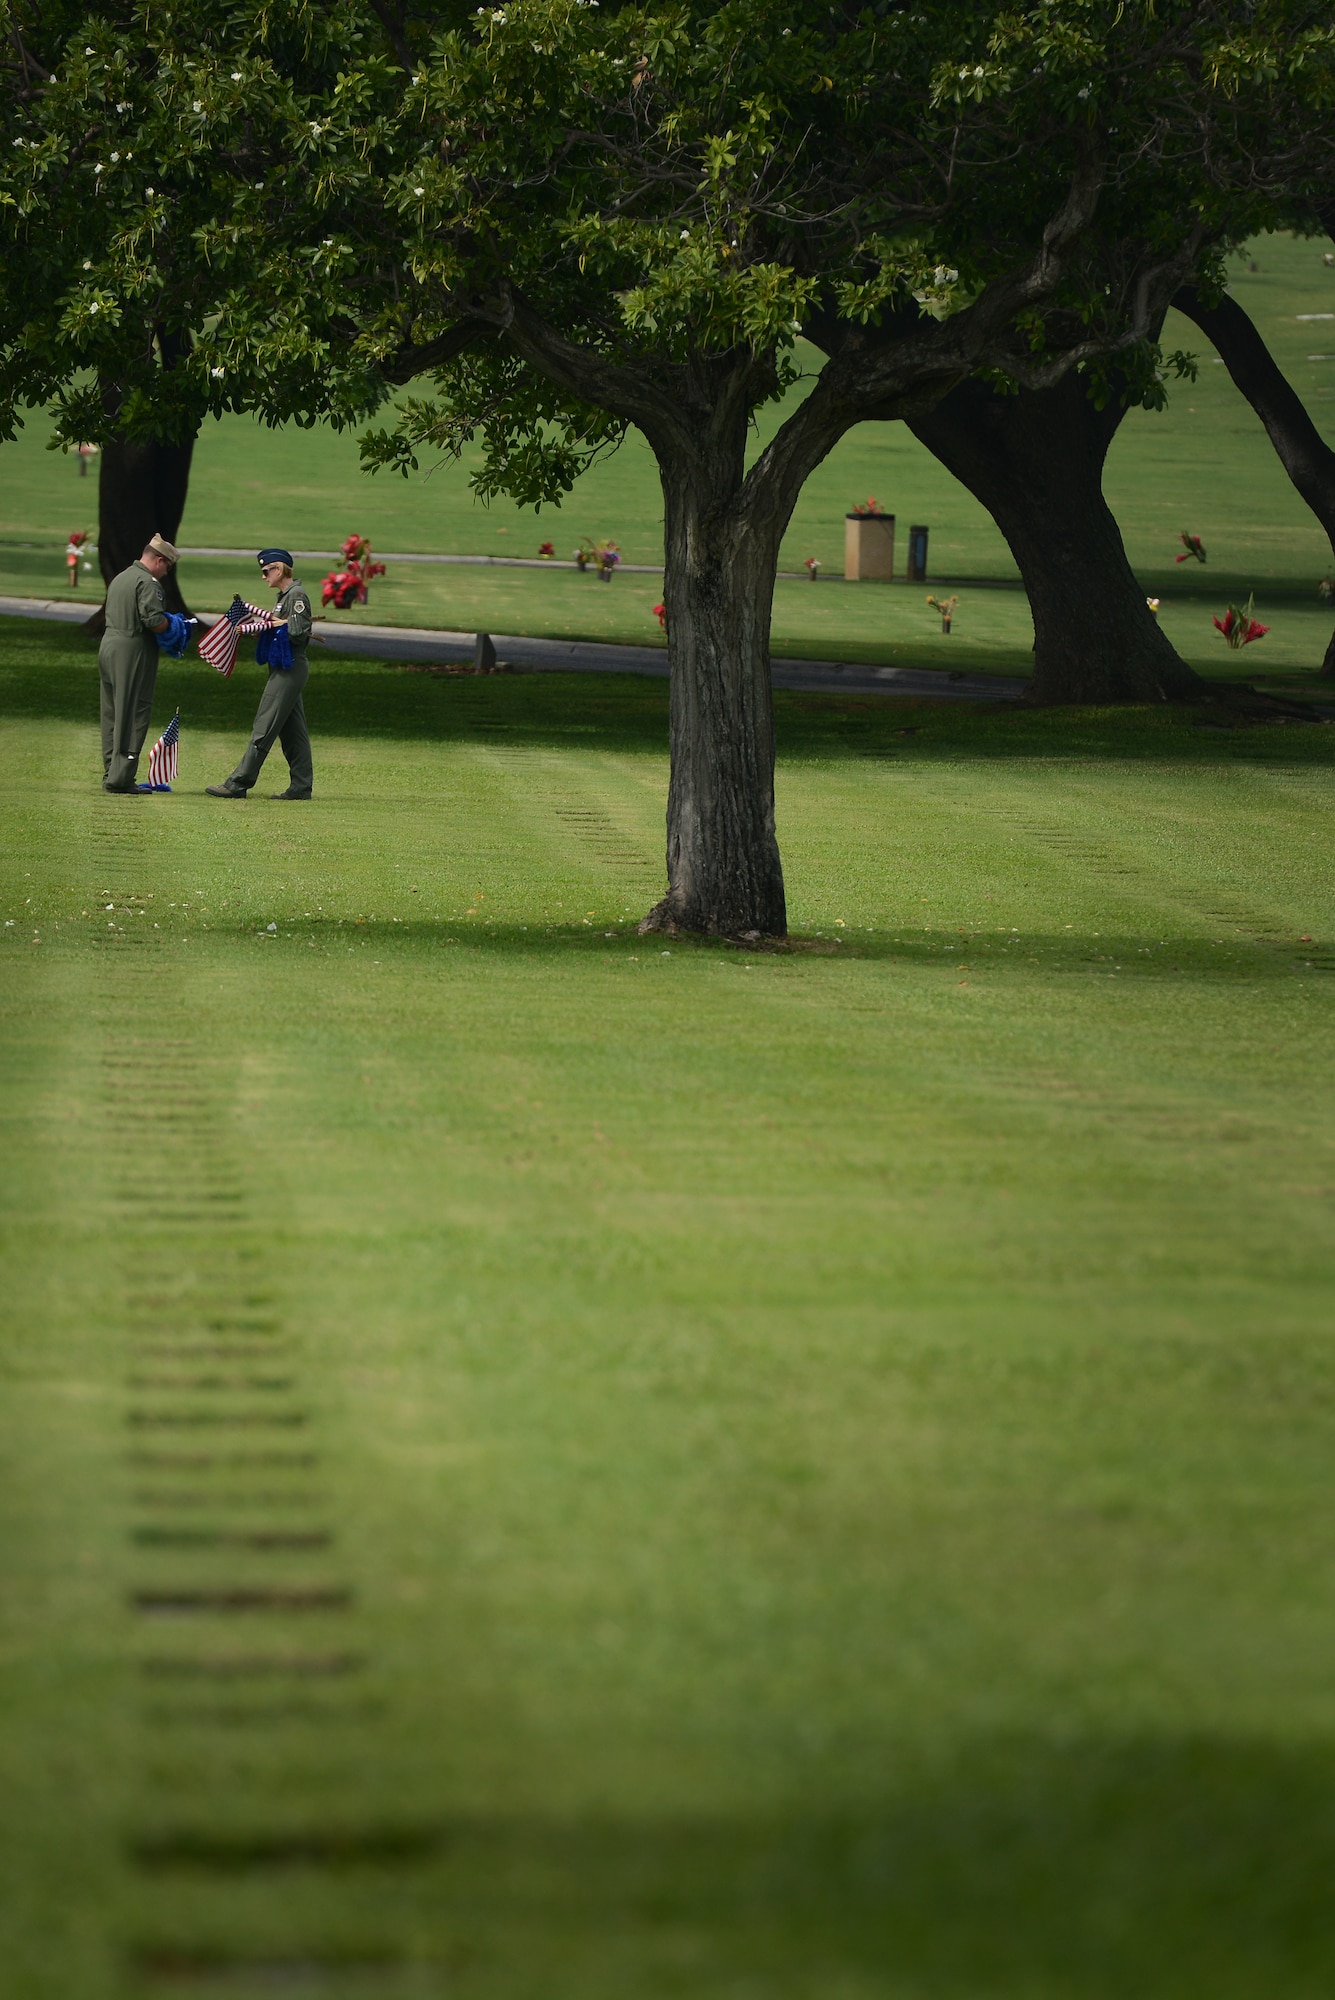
(724,872)
(1035,460)
(142,487)
(141,492)
(1303,452)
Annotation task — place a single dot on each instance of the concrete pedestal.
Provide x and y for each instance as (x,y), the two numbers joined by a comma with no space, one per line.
(869,547)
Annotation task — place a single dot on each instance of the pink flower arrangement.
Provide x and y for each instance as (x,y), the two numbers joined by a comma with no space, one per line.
(1239,627)
(348,586)
(1193,549)
(660,613)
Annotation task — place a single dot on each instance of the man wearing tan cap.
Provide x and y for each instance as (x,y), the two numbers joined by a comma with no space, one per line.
(127,661)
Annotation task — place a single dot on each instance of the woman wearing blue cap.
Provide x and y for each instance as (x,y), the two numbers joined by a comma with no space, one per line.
(280,714)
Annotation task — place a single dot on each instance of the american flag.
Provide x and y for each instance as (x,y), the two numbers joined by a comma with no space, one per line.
(218,645)
(162,757)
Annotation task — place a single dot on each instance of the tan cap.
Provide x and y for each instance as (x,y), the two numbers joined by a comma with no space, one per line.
(162,547)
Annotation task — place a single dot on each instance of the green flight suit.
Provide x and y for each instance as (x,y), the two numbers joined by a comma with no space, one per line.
(127,667)
(280,715)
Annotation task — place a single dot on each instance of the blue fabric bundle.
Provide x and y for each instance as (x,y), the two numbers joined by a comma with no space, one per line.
(177,635)
(274,649)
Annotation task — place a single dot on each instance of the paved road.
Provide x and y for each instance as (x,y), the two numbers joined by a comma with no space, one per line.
(564,656)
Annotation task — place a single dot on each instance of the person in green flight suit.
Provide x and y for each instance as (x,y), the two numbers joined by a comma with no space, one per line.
(127,661)
(280,715)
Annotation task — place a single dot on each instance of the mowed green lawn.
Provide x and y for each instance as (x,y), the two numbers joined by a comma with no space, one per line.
(1204,465)
(541,1464)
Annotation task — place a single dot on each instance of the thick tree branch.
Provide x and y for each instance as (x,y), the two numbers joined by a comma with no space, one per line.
(394,23)
(906,374)
(592,378)
(409,360)
(1303,452)
(1154,291)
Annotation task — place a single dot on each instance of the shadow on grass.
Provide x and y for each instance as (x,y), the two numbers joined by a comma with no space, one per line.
(49,673)
(1156,1869)
(976,958)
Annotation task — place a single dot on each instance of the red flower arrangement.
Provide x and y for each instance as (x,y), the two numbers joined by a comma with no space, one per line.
(871,505)
(546,551)
(1193,550)
(1239,627)
(660,613)
(78,542)
(812,567)
(348,586)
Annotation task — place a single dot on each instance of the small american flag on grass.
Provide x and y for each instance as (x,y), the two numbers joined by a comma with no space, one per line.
(162,757)
(218,645)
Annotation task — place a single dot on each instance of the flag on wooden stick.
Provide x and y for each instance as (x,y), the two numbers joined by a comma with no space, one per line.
(218,645)
(162,757)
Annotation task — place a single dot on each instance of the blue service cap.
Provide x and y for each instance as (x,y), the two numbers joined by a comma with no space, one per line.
(274,555)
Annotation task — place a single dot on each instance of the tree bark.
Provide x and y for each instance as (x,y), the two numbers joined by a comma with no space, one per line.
(724,871)
(1035,460)
(141,492)
(142,488)
(1303,452)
